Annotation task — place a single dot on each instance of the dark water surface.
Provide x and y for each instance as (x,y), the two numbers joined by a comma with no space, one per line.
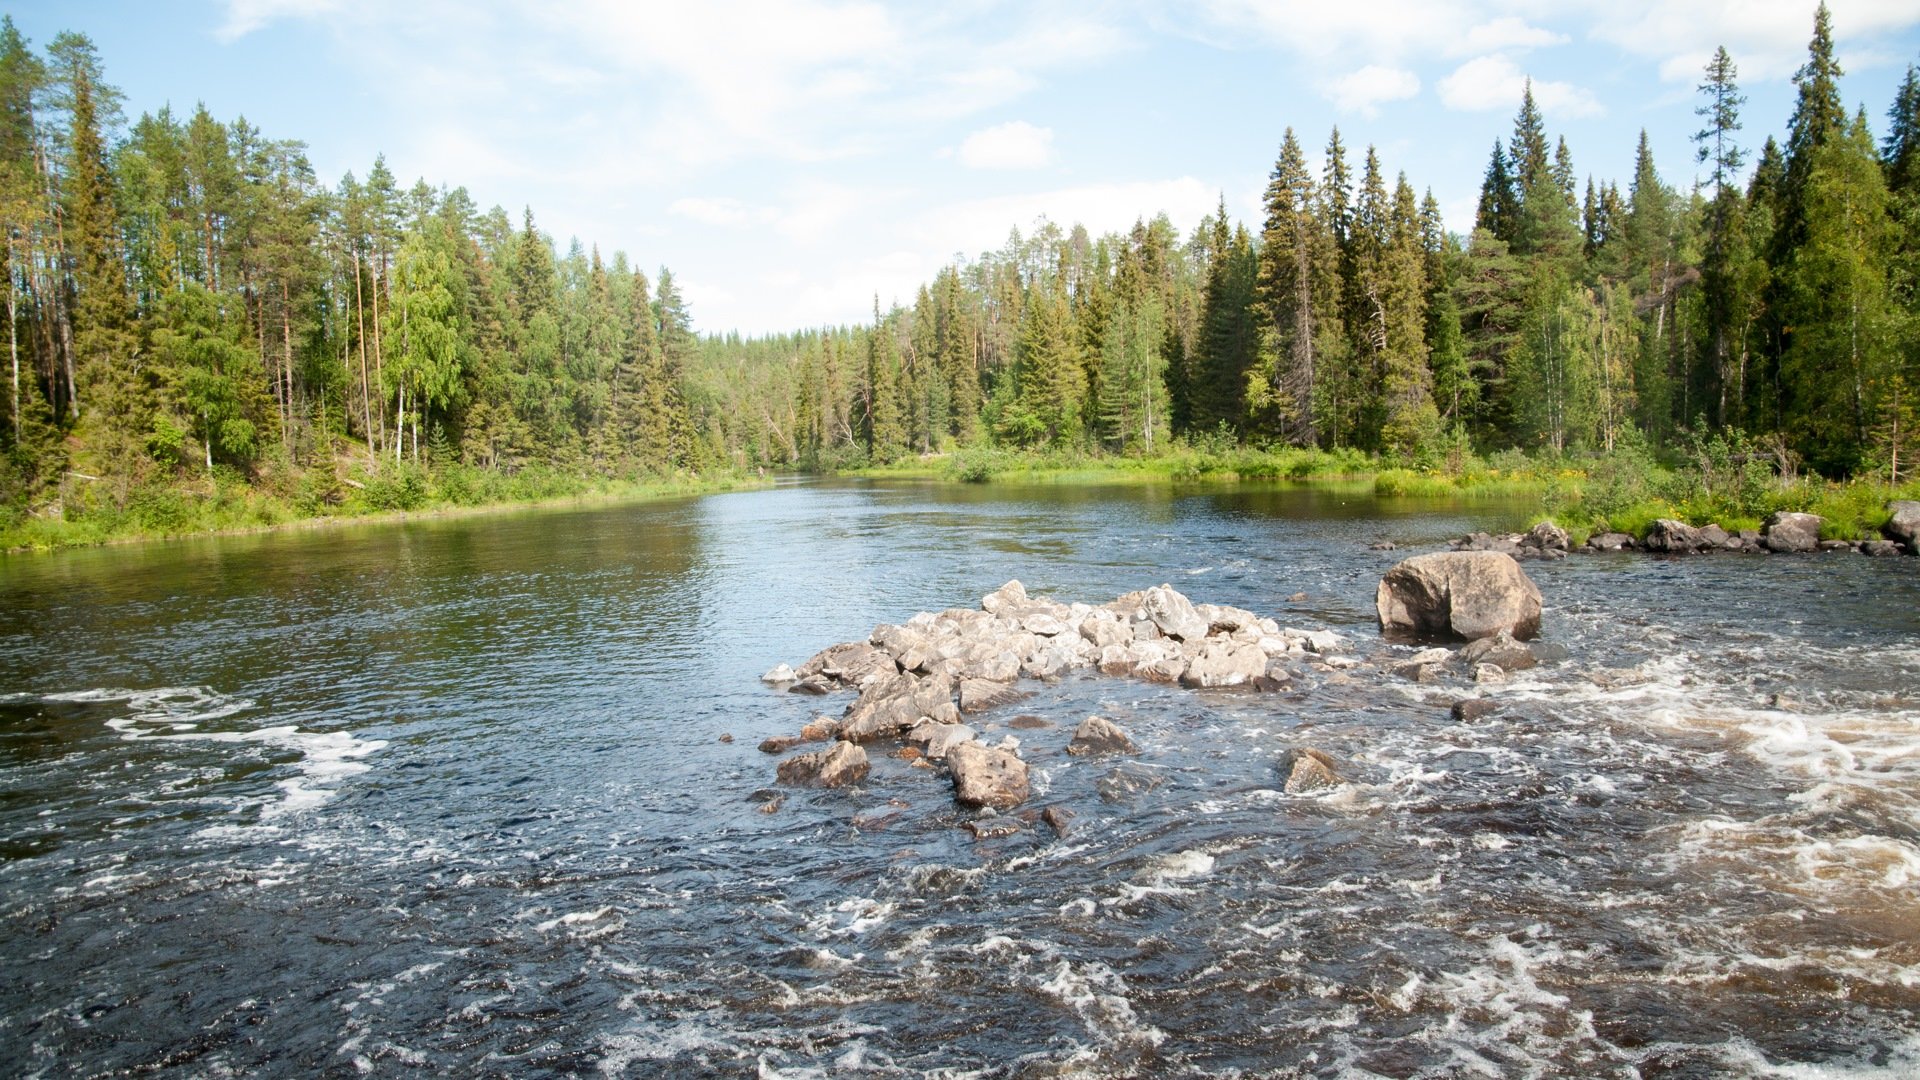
(451,798)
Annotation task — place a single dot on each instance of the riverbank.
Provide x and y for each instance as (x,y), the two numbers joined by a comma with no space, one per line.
(231,507)
(1625,491)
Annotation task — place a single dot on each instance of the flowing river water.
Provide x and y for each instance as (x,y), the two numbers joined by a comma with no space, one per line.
(452,798)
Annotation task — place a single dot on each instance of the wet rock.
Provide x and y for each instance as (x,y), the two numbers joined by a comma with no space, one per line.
(1836,545)
(987,777)
(1903,524)
(1713,538)
(1467,710)
(1297,598)
(780,744)
(1880,548)
(1222,663)
(1381,545)
(993,829)
(937,741)
(1786,531)
(781,673)
(1307,769)
(851,664)
(726,738)
(1610,541)
(1058,818)
(772,806)
(894,704)
(839,765)
(1500,650)
(1029,723)
(812,684)
(1672,537)
(1488,674)
(1459,594)
(1098,735)
(1508,544)
(977,695)
(1325,642)
(1127,782)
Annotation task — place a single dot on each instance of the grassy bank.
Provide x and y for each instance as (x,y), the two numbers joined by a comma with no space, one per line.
(225,503)
(1721,481)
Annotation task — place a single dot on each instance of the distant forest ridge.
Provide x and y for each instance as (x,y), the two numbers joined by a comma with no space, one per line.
(187,304)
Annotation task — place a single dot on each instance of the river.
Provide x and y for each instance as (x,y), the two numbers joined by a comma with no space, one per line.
(452,798)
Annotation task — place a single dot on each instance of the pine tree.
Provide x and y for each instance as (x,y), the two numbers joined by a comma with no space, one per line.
(1499,210)
(1721,269)
(1835,364)
(1229,338)
(1296,268)
(102,307)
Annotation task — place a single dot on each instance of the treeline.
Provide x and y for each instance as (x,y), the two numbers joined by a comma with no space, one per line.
(188,300)
(1776,303)
(188,306)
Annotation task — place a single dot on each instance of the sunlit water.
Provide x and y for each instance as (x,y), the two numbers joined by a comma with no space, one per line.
(452,798)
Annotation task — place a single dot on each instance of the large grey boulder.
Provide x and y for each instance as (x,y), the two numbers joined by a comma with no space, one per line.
(1672,537)
(1785,530)
(985,776)
(1458,594)
(1903,527)
(837,766)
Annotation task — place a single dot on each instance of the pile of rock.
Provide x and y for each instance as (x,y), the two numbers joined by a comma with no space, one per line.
(917,680)
(1784,532)
(1544,541)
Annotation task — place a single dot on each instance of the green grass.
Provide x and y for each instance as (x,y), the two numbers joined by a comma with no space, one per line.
(229,505)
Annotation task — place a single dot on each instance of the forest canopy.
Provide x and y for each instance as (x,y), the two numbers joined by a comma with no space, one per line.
(189,306)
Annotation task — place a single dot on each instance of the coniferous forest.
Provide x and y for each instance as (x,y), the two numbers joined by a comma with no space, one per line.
(195,319)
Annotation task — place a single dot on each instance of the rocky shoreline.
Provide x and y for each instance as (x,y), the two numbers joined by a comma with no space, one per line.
(1784,532)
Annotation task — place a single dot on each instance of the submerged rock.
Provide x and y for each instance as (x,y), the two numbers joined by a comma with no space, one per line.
(1098,735)
(987,777)
(839,765)
(1467,710)
(1459,594)
(1307,769)
(1500,650)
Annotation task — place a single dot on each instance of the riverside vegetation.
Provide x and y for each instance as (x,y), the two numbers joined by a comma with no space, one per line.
(202,335)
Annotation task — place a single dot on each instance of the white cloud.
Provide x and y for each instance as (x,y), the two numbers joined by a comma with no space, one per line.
(1496,82)
(1364,90)
(1015,145)
(246,16)
(1506,32)
(723,212)
(978,225)
(1767,38)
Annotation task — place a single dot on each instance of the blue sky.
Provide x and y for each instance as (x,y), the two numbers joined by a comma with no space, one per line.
(791,159)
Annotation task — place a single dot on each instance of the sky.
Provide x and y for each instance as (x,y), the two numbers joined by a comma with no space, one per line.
(793,161)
